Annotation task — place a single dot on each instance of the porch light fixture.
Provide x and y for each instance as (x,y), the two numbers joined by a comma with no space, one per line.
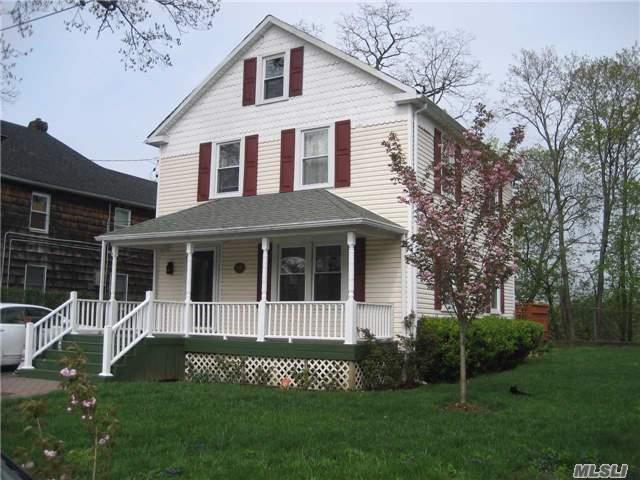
(170,268)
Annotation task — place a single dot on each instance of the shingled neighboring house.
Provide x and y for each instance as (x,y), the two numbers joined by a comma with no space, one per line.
(55,201)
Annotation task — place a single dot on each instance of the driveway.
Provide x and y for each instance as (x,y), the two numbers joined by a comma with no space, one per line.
(13,386)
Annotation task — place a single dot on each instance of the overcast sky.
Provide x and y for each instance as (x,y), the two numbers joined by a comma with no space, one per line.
(78,85)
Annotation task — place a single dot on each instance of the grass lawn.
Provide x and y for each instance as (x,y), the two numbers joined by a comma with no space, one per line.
(585,407)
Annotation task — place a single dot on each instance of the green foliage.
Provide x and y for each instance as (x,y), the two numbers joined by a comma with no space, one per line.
(493,344)
(389,364)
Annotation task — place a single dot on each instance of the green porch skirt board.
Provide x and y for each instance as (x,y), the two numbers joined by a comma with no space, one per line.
(163,358)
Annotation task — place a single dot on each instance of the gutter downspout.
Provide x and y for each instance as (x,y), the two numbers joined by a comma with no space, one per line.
(413,280)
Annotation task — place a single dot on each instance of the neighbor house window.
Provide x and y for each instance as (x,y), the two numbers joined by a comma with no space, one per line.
(228,167)
(315,157)
(122,286)
(121,218)
(40,206)
(327,273)
(274,72)
(35,277)
(292,273)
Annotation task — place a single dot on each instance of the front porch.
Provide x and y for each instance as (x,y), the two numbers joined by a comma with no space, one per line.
(246,269)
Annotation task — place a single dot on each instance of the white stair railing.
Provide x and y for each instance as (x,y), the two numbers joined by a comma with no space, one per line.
(92,314)
(126,334)
(48,330)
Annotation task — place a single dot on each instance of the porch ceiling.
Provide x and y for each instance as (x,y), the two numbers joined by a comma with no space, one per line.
(303,211)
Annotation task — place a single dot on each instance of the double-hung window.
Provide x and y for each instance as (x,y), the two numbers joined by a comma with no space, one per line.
(327,283)
(274,75)
(121,218)
(39,218)
(35,277)
(292,273)
(228,168)
(315,158)
(310,273)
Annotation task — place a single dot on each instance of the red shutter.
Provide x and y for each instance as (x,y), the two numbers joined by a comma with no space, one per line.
(250,165)
(287,159)
(437,159)
(502,298)
(296,63)
(359,270)
(259,294)
(343,153)
(204,171)
(437,299)
(249,82)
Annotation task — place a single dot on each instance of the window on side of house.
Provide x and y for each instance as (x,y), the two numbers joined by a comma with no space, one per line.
(495,300)
(40,208)
(315,161)
(228,168)
(292,274)
(327,283)
(122,286)
(121,218)
(35,277)
(274,73)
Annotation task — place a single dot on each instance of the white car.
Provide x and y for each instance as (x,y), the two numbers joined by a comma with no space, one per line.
(13,318)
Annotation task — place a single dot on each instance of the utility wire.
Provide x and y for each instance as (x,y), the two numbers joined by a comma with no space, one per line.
(31,20)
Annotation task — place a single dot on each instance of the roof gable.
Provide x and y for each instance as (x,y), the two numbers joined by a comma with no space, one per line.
(156,136)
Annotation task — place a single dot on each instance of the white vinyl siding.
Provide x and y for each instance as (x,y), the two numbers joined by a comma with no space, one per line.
(239,287)
(383,277)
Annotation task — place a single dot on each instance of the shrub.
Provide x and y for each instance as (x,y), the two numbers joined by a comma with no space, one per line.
(493,344)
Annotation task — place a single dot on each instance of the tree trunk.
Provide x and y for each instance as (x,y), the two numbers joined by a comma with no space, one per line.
(565,292)
(604,244)
(463,364)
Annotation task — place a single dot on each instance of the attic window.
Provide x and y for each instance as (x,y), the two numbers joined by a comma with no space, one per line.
(121,218)
(274,75)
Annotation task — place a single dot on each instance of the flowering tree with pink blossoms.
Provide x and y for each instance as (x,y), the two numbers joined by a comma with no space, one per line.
(462,241)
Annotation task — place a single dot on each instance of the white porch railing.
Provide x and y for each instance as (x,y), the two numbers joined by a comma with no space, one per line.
(48,330)
(311,320)
(168,317)
(376,317)
(225,319)
(336,321)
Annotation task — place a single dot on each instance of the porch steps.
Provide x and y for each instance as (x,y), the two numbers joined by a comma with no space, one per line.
(151,359)
(47,365)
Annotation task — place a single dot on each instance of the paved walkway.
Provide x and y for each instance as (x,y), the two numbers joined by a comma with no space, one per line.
(12,386)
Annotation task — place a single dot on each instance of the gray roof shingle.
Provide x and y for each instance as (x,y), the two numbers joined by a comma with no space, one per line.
(36,157)
(276,211)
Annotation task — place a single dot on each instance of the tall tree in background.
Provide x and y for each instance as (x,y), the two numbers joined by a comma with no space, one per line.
(540,91)
(464,230)
(608,91)
(438,64)
(147,29)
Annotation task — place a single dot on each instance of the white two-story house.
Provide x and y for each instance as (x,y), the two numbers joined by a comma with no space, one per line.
(278,230)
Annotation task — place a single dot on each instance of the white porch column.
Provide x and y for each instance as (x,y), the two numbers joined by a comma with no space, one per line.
(74,312)
(187,289)
(103,266)
(262,306)
(350,321)
(113,314)
(151,312)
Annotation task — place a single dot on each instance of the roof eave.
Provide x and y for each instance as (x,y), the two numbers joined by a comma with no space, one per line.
(77,192)
(364,222)
(433,111)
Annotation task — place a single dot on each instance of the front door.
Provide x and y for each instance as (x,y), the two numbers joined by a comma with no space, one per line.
(202,277)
